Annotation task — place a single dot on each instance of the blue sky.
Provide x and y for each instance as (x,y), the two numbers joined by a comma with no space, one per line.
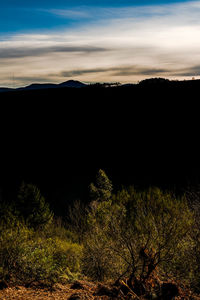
(29,15)
(53,41)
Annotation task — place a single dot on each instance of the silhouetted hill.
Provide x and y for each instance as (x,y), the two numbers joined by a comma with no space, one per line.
(72,84)
(38,86)
(2,89)
(155,81)
(41,86)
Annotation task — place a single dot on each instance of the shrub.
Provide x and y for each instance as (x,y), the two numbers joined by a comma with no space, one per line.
(57,229)
(137,232)
(25,257)
(100,262)
(76,220)
(49,260)
(153,230)
(12,247)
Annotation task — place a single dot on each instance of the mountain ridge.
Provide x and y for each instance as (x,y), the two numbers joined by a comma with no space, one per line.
(39,86)
(75,84)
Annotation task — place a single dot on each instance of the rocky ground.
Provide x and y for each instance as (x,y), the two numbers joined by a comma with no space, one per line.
(61,292)
(80,290)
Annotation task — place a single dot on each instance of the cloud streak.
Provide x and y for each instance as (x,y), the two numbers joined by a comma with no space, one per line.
(70,13)
(115,71)
(133,70)
(21,52)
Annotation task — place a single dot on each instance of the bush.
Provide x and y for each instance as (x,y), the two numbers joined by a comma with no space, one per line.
(25,257)
(49,260)
(12,247)
(76,220)
(154,231)
(100,262)
(137,232)
(57,229)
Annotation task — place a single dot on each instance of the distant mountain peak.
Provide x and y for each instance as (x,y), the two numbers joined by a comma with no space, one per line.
(72,83)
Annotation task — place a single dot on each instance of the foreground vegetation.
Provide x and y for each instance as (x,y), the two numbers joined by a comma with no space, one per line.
(141,240)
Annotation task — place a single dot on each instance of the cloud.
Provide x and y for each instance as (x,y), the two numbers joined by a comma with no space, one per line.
(191,71)
(80,72)
(70,13)
(138,70)
(124,44)
(135,12)
(21,52)
(115,71)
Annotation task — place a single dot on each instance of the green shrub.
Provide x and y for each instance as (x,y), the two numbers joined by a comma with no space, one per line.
(12,247)
(157,224)
(100,261)
(25,257)
(137,232)
(57,229)
(48,259)
(76,220)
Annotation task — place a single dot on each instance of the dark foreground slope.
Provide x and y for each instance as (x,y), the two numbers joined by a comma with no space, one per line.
(58,138)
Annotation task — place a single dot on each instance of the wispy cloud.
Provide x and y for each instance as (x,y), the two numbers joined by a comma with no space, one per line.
(115,71)
(22,52)
(190,71)
(70,13)
(181,11)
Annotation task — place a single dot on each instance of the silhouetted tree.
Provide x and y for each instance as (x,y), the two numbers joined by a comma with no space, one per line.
(32,207)
(101,190)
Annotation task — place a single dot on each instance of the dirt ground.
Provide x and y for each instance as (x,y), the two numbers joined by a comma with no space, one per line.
(81,290)
(60,292)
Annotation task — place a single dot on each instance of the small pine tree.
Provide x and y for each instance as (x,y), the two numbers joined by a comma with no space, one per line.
(32,207)
(102,189)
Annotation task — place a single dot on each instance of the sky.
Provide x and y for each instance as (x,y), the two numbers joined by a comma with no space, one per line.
(98,41)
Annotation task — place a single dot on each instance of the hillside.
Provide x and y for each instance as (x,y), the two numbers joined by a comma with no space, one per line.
(142,134)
